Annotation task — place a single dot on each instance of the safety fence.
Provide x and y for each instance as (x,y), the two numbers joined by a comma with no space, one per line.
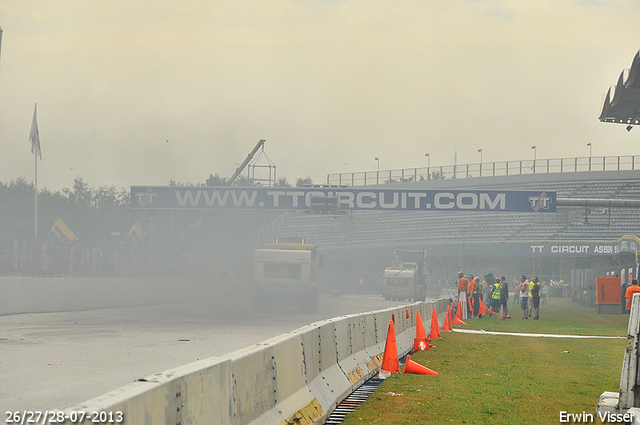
(295,378)
(486,169)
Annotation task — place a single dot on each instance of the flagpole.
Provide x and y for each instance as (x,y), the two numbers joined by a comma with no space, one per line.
(36,195)
(34,137)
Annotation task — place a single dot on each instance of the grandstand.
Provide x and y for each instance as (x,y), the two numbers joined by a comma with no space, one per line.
(391,228)
(478,241)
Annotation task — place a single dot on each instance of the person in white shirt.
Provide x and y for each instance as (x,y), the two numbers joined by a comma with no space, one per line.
(524,296)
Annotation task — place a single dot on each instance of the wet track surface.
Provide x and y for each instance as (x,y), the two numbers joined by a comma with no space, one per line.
(57,360)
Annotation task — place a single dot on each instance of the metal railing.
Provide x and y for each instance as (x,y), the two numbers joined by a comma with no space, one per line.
(251,241)
(486,169)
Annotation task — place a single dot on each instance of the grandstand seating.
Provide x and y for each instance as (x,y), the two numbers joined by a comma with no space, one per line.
(392,228)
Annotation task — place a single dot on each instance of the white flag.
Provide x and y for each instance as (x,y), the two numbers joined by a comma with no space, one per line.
(34,136)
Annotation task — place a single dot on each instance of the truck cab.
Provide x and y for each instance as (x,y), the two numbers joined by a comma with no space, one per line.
(287,272)
(406,278)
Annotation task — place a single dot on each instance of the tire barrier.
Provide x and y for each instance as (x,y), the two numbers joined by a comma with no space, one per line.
(298,377)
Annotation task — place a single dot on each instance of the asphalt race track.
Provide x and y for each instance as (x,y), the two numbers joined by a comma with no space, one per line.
(58,360)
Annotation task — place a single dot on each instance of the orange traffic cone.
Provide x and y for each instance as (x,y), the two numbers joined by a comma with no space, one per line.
(434,332)
(420,332)
(483,309)
(446,326)
(434,314)
(457,321)
(412,367)
(435,326)
(420,342)
(390,356)
(459,311)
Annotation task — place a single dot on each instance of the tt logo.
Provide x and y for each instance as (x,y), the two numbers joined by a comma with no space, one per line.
(146,198)
(540,202)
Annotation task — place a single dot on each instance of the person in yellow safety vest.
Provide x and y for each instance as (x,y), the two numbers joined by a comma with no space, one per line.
(535,296)
(530,295)
(495,296)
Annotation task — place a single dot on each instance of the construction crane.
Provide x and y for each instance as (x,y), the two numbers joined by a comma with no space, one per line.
(229,182)
(245,163)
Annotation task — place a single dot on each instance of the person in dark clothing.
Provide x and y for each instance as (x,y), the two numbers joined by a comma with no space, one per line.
(504,294)
(486,294)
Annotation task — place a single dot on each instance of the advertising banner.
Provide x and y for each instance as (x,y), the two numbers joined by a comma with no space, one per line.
(347,199)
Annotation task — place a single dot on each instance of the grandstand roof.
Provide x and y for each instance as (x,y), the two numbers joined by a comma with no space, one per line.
(621,103)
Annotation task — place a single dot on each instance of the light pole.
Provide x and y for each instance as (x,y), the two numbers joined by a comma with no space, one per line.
(480,150)
(428,166)
(535,152)
(455,163)
(589,144)
(378,170)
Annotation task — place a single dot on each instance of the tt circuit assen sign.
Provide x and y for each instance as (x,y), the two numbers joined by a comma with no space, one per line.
(573,249)
(348,199)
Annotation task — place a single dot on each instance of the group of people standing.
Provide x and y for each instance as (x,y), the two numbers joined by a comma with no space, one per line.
(529,291)
(496,295)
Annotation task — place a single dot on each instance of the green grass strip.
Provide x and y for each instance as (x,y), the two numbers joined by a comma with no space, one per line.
(500,379)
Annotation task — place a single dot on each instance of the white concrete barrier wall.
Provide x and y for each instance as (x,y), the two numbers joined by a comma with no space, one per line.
(628,397)
(199,392)
(297,377)
(370,330)
(42,295)
(382,325)
(311,349)
(254,382)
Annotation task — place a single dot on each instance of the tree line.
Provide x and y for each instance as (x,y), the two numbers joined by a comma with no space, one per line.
(93,214)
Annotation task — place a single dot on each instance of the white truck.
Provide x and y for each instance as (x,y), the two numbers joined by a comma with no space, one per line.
(406,279)
(287,273)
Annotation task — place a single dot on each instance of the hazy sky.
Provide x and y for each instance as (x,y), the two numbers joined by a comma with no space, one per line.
(329,84)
